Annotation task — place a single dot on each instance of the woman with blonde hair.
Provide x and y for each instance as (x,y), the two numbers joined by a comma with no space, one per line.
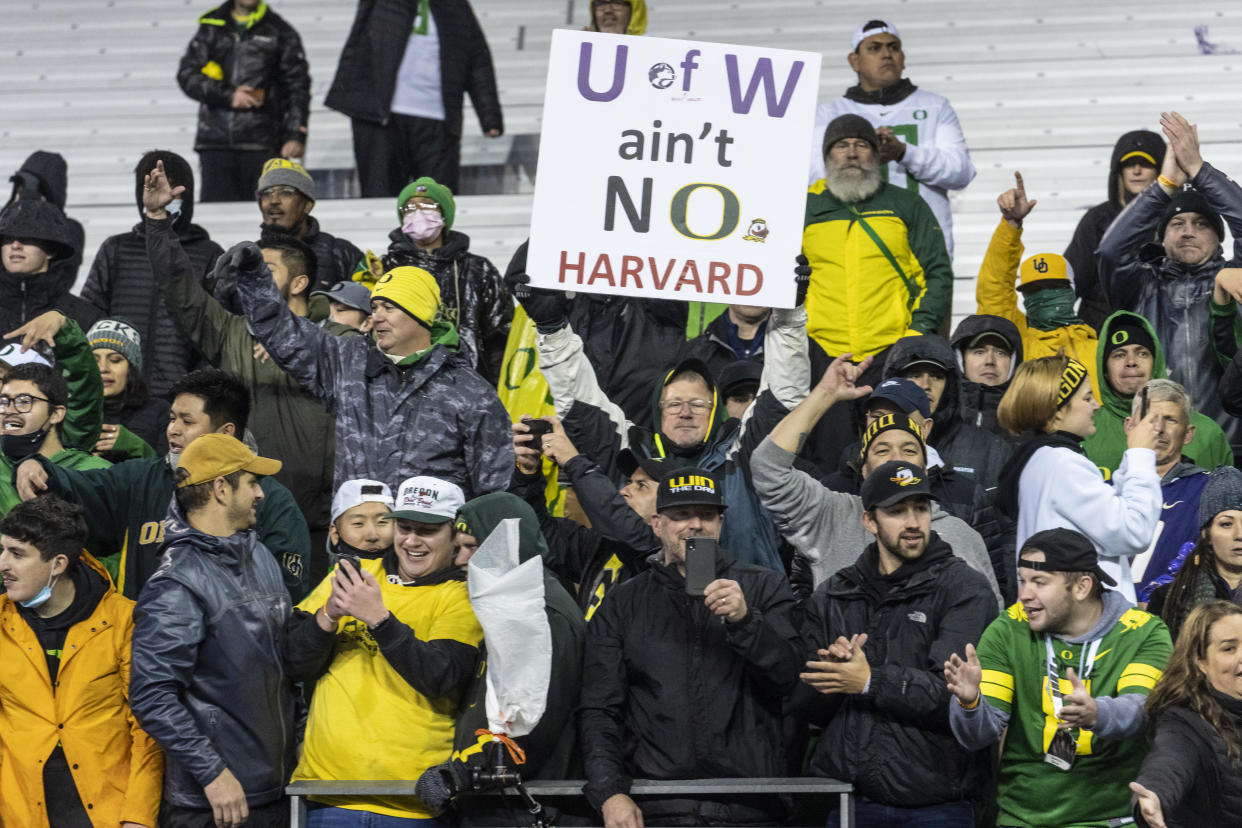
(1193,774)
(1049,483)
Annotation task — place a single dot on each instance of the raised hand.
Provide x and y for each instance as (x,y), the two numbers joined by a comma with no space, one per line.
(1183,143)
(840,378)
(1014,205)
(1145,433)
(157,192)
(963,676)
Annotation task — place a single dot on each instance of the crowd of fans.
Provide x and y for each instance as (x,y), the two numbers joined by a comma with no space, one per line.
(986,578)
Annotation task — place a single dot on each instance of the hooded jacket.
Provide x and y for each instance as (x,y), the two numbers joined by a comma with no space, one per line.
(430,414)
(121,283)
(471,290)
(266,55)
(85,711)
(964,447)
(671,692)
(914,618)
(366,75)
(551,748)
(1175,297)
(977,403)
(45,175)
(1209,448)
(208,678)
(24,296)
(995,294)
(638,18)
(1080,253)
(719,346)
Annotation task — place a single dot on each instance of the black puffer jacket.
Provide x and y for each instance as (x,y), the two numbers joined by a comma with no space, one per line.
(121,285)
(337,258)
(25,296)
(267,55)
(45,175)
(977,402)
(965,448)
(914,618)
(670,692)
(366,76)
(1189,769)
(208,678)
(1095,308)
(472,295)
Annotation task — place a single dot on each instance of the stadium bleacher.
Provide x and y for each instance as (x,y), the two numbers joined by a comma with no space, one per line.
(1043,88)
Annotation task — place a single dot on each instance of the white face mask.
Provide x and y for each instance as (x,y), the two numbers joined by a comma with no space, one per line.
(174,206)
(174,460)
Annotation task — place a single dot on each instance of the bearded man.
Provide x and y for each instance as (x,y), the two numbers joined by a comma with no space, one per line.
(879,268)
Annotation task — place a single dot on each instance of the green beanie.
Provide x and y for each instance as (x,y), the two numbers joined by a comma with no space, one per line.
(433,190)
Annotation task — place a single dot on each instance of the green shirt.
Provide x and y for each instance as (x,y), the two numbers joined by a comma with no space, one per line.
(1128,659)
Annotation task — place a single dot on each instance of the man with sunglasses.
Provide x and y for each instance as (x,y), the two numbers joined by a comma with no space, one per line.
(33,402)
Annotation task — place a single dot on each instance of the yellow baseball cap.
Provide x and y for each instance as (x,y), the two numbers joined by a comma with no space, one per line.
(217,455)
(1043,268)
(412,289)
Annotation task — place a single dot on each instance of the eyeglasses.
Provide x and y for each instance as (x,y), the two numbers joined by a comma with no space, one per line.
(278,192)
(697,406)
(418,207)
(22,403)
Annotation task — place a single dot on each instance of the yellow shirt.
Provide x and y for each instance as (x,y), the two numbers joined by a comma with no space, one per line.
(366,722)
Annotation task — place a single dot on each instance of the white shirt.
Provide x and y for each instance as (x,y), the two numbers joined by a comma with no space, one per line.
(936,160)
(418,80)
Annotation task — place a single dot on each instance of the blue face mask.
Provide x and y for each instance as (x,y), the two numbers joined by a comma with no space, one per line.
(174,207)
(42,597)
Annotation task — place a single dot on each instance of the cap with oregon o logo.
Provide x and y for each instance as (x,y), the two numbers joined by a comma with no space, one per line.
(894,482)
(689,487)
(1128,330)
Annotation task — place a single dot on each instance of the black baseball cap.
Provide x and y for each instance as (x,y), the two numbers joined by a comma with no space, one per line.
(904,394)
(690,486)
(1064,551)
(894,482)
(737,375)
(629,462)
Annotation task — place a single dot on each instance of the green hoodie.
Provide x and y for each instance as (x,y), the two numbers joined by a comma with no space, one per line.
(550,746)
(1209,448)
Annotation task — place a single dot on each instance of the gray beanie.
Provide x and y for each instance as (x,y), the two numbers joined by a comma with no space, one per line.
(278,172)
(117,336)
(850,126)
(1222,492)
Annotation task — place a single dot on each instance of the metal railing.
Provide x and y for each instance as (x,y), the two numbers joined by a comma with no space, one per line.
(298,791)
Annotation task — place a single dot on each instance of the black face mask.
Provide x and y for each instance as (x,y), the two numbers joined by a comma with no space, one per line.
(17,447)
(340,549)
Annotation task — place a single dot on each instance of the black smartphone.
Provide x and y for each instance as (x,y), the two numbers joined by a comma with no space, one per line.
(538,428)
(1143,404)
(353,561)
(700,564)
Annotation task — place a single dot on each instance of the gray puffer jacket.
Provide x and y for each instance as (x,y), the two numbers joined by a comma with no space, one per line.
(1174,297)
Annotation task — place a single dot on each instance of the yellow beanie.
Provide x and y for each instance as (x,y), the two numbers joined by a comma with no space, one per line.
(412,289)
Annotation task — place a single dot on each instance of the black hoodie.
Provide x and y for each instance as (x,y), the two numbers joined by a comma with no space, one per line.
(120,283)
(45,175)
(977,403)
(1095,308)
(25,296)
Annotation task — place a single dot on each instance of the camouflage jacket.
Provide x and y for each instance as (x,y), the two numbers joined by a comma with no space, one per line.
(432,416)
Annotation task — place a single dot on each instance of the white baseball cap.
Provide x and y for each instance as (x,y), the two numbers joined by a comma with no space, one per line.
(428,500)
(12,355)
(861,33)
(356,492)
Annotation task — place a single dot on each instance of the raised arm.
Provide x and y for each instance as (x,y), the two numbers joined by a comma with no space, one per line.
(994,290)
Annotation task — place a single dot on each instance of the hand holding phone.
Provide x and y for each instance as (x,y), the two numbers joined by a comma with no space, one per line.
(538,428)
(700,564)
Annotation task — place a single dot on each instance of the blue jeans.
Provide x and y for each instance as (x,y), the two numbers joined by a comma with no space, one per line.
(876,815)
(323,816)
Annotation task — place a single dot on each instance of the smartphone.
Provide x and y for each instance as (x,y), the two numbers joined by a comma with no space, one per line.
(538,428)
(1143,404)
(700,564)
(353,561)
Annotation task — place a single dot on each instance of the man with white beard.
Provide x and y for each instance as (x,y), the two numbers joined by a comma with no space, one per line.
(879,268)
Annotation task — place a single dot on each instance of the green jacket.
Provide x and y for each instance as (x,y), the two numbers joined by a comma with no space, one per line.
(126,505)
(1209,448)
(68,458)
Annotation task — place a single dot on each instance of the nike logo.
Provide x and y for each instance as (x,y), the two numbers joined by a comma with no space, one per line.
(1169,505)
(1098,656)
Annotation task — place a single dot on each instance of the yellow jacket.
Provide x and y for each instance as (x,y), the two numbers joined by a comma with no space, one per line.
(995,294)
(117,768)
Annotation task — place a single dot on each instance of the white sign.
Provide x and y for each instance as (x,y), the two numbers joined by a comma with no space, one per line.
(672,169)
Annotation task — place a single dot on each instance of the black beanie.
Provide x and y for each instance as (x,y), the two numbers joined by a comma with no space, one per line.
(1190,200)
(1128,331)
(850,126)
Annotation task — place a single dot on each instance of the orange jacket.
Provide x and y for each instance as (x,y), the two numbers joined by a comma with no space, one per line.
(117,768)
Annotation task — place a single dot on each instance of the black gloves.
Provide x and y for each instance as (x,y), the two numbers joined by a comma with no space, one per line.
(548,309)
(243,257)
(802,276)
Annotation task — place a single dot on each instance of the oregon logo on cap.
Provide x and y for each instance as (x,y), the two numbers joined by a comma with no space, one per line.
(1120,337)
(1040,265)
(905,477)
